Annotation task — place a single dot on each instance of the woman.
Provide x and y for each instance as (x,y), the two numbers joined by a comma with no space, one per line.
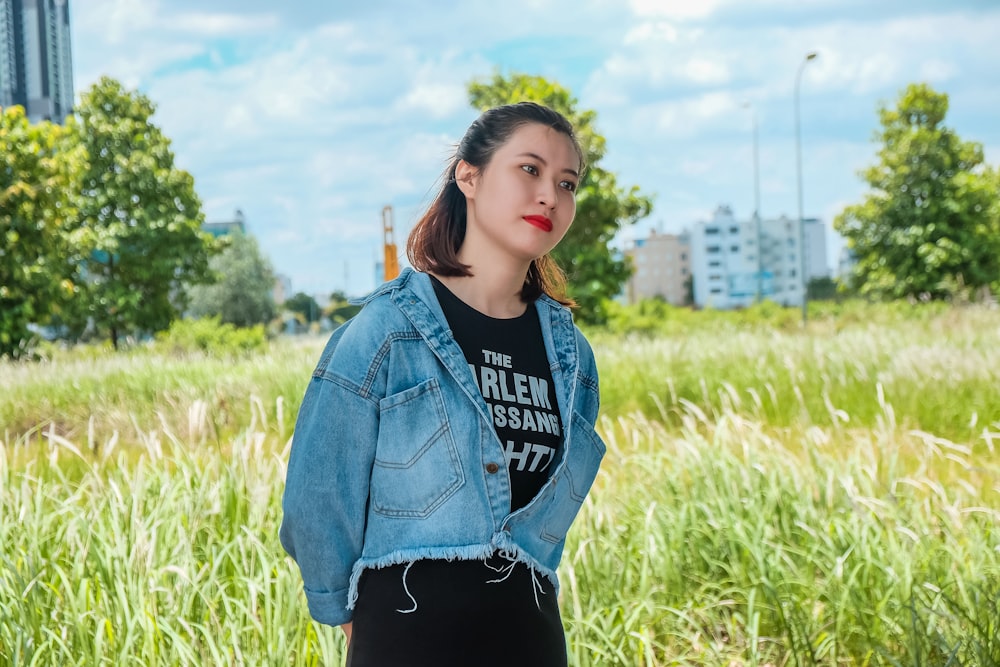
(446,440)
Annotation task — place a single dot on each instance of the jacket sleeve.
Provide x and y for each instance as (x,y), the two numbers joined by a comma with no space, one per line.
(326,489)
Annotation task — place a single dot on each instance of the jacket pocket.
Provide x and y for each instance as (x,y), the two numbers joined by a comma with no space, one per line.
(417,467)
(574,482)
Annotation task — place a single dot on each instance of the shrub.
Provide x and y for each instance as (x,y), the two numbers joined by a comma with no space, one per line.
(210,336)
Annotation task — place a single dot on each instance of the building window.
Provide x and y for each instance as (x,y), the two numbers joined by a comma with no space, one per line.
(734,248)
(734,230)
(711,230)
(716,290)
(714,264)
(715,276)
(712,248)
(684,271)
(684,256)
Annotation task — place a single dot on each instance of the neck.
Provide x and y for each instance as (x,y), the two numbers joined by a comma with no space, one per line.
(494,289)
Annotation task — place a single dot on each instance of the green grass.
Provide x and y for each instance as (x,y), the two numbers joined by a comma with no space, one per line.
(720,541)
(169,559)
(771,495)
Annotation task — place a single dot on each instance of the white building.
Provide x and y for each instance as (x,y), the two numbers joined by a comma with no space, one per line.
(735,263)
(817,265)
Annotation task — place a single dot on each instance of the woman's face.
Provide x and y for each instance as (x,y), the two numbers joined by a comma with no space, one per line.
(523,202)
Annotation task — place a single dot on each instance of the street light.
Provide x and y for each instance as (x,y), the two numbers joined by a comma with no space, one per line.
(798,170)
(756,201)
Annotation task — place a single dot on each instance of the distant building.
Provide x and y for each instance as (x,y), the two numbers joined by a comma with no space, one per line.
(734,263)
(661,268)
(282,288)
(217,229)
(36,62)
(816,261)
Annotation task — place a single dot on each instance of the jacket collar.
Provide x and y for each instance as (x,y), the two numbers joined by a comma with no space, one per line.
(413,294)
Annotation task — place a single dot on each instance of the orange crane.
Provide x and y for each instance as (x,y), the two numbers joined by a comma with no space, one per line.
(391,266)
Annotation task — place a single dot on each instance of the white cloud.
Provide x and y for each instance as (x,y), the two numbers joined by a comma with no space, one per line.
(116,21)
(652,31)
(220,25)
(437,100)
(674,9)
(938,70)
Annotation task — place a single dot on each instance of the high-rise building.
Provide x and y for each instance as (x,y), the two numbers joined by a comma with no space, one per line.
(36,61)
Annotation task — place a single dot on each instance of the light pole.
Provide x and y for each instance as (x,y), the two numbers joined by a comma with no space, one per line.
(798,170)
(756,202)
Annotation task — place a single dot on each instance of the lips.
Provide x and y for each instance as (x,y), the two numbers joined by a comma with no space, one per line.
(539,221)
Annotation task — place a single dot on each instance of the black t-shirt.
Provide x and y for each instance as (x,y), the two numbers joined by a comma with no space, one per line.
(507,358)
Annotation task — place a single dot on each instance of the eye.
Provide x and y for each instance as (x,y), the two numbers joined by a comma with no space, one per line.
(568,185)
(530,168)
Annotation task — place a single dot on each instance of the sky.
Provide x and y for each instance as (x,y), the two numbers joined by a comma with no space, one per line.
(311,116)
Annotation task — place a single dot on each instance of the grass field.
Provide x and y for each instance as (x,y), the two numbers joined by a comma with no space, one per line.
(771,495)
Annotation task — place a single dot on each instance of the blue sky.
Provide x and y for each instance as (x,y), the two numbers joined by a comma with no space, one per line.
(310,116)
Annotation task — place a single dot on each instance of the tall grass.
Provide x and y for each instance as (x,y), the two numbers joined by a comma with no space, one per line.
(165,556)
(770,496)
(722,542)
(940,374)
(101,396)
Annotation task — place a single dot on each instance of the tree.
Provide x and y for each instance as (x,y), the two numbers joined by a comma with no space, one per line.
(141,217)
(36,218)
(821,289)
(305,306)
(242,294)
(340,309)
(594,271)
(929,227)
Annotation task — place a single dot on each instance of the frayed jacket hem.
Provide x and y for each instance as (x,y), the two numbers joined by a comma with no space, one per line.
(501,545)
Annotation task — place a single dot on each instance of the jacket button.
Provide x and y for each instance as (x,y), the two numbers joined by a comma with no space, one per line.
(492,468)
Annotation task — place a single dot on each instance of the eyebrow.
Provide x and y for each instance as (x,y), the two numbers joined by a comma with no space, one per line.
(543,161)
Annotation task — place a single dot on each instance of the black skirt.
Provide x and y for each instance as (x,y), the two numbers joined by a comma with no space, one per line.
(461,613)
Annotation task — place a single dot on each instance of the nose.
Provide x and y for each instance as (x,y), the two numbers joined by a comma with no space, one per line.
(547,193)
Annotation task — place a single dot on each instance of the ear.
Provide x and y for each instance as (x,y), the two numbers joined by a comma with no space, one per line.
(466,177)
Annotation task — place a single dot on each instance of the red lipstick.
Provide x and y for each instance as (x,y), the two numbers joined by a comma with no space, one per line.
(539,221)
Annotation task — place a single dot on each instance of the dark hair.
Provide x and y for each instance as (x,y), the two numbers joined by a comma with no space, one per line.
(435,240)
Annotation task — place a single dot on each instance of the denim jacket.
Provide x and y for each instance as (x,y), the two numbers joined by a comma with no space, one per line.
(395,459)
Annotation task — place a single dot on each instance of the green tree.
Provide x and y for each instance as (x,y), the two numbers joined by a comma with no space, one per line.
(340,309)
(243,292)
(929,227)
(141,216)
(595,272)
(305,306)
(36,218)
(822,289)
